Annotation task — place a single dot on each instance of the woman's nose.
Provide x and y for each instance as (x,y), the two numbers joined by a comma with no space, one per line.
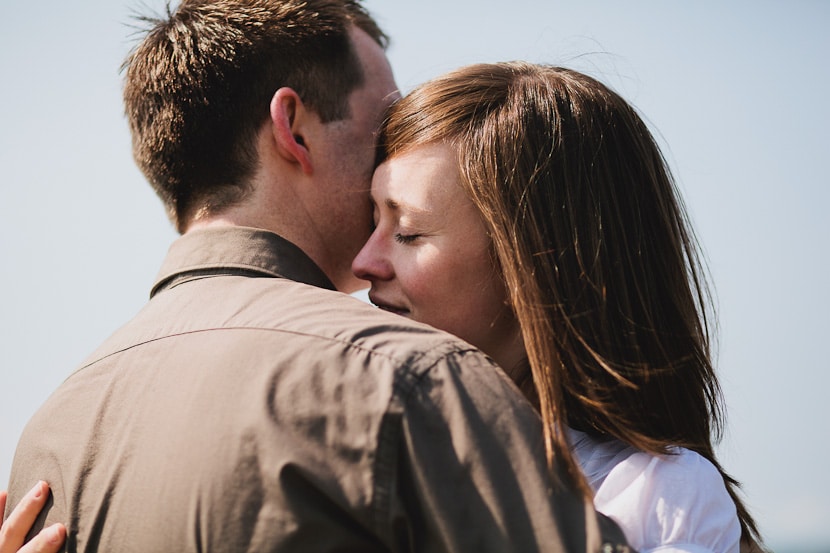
(371,263)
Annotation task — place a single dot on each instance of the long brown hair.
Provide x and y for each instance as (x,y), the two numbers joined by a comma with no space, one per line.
(595,248)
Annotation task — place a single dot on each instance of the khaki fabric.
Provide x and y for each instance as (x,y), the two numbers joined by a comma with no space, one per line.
(248,408)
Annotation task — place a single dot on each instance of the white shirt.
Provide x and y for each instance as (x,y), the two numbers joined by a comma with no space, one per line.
(663,503)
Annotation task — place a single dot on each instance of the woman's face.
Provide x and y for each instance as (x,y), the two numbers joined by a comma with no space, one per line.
(428,257)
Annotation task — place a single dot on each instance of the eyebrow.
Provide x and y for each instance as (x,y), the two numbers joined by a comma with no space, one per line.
(395,205)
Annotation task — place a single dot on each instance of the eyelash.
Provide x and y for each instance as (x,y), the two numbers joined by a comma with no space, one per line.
(405,238)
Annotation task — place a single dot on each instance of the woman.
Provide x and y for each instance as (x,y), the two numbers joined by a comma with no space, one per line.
(528,210)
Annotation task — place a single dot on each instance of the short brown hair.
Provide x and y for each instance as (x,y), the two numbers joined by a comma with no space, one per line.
(198,87)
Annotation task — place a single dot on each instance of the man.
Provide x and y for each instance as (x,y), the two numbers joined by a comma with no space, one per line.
(250,406)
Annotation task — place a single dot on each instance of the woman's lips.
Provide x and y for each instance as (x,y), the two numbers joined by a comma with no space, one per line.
(380,304)
(395,310)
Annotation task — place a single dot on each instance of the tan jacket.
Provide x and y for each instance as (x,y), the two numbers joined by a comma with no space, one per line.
(247,408)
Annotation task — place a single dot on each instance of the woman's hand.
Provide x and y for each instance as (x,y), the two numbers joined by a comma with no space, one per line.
(13,531)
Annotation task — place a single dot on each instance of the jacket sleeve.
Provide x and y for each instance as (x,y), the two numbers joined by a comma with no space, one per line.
(470,471)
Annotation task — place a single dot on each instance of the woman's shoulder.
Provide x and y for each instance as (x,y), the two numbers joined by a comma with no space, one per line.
(676,502)
(682,471)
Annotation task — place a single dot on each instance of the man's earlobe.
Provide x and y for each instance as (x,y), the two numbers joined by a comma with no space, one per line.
(288,115)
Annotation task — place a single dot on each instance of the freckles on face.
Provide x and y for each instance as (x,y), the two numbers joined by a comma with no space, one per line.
(428,257)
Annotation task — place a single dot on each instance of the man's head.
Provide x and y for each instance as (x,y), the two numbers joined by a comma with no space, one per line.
(198,89)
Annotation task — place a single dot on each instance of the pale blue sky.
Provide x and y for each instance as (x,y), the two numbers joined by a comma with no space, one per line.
(737,93)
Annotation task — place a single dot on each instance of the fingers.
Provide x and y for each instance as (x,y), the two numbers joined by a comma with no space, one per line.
(13,531)
(48,540)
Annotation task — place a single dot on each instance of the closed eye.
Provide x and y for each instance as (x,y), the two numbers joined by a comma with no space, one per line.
(406,238)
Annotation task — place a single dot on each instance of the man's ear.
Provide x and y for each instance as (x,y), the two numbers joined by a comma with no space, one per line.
(288,114)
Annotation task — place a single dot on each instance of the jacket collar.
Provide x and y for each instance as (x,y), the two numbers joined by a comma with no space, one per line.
(236,250)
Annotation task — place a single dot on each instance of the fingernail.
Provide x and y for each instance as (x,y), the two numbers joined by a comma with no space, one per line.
(53,533)
(39,489)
